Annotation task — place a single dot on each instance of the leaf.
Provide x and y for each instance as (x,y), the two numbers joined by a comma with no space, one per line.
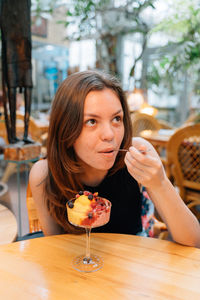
(69,13)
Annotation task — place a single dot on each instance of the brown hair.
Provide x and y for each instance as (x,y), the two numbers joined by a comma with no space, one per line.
(65,126)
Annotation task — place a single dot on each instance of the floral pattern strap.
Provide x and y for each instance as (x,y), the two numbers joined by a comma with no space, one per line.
(147,214)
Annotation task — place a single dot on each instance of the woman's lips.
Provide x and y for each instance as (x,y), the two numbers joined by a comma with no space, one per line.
(109,153)
(107,150)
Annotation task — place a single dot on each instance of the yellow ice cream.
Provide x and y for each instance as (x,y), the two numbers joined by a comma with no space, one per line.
(82,206)
(88,210)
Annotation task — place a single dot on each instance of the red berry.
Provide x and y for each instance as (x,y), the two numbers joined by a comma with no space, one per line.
(93,205)
(86,193)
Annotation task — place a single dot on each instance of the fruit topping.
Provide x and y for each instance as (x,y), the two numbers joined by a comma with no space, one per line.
(70,204)
(90,215)
(88,210)
(86,193)
(90,197)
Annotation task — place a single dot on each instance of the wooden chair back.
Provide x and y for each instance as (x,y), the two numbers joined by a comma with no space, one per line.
(142,122)
(183,155)
(34,224)
(3,132)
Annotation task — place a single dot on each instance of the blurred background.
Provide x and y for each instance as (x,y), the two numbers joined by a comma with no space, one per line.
(153,46)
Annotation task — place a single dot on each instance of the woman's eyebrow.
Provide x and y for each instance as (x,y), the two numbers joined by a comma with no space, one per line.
(118,112)
(91,115)
(97,116)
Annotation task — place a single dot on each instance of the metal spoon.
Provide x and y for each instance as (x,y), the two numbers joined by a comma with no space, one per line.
(125,150)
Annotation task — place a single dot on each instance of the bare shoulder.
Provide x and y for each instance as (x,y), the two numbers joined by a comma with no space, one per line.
(38,172)
(37,177)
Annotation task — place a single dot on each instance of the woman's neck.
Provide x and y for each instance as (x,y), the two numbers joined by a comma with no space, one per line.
(93,178)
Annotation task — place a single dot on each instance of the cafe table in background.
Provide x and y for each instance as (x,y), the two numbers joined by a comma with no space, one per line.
(8,225)
(159,139)
(134,268)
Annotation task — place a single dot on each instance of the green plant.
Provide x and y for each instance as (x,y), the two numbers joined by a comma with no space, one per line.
(106,22)
(183,29)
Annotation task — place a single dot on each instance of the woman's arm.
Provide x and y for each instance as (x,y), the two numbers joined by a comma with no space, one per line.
(36,179)
(148,170)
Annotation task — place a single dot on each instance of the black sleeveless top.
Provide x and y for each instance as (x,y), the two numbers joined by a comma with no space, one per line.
(123,192)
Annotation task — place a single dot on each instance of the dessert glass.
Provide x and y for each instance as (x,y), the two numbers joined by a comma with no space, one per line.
(95,218)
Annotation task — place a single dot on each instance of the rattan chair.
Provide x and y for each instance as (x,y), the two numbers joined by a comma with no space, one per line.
(142,122)
(183,155)
(165,125)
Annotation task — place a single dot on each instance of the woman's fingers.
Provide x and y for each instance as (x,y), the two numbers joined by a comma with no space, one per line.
(145,159)
(141,144)
(145,168)
(139,174)
(151,170)
(133,164)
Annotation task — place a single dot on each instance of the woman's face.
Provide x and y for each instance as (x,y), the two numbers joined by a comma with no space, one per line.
(102,132)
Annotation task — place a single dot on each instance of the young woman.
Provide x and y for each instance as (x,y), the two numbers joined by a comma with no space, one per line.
(89,121)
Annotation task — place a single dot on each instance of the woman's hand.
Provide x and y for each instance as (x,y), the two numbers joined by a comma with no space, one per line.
(145,167)
(148,170)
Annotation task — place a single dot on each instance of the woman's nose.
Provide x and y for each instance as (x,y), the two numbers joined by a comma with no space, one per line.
(107,132)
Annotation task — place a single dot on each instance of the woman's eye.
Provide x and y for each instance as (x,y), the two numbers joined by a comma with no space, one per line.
(117,119)
(90,122)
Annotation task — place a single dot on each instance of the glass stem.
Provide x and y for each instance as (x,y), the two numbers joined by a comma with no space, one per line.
(88,231)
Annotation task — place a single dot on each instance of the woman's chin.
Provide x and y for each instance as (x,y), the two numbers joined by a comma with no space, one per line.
(105,166)
(101,165)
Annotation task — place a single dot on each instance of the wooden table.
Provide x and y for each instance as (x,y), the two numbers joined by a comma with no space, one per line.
(8,226)
(158,138)
(134,268)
